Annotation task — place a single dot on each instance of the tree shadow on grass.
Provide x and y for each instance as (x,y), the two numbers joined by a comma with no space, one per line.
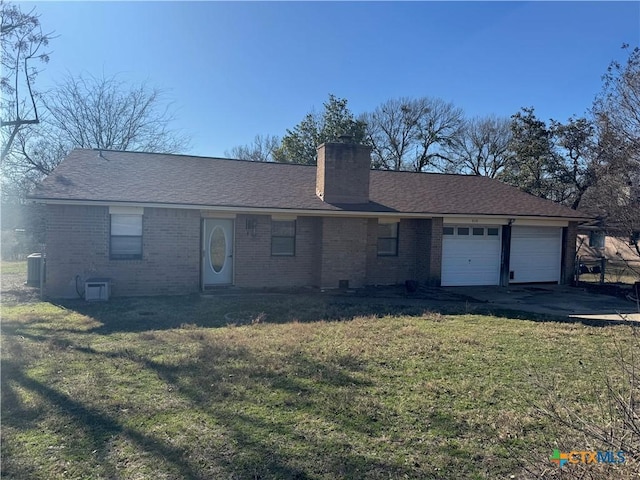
(261,406)
(230,384)
(97,426)
(162,313)
(98,429)
(138,314)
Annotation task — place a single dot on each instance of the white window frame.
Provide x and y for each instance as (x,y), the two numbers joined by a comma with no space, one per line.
(292,252)
(125,223)
(395,237)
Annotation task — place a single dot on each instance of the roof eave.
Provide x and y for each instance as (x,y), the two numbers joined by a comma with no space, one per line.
(299,211)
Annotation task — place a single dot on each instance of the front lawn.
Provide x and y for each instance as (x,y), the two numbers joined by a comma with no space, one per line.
(290,387)
(14,268)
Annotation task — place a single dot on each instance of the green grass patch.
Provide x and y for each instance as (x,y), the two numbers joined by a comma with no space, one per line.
(13,268)
(286,387)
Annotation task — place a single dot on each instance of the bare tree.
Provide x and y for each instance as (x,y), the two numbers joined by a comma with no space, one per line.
(260,150)
(413,134)
(619,102)
(22,41)
(615,200)
(615,423)
(616,194)
(37,152)
(90,112)
(438,130)
(392,129)
(482,148)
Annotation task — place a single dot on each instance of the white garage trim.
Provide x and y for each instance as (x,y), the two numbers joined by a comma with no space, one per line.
(536,254)
(505,220)
(119,210)
(471,255)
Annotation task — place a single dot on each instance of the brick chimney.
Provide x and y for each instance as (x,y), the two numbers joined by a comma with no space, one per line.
(342,175)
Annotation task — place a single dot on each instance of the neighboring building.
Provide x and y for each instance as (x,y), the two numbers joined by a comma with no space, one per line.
(594,244)
(173,224)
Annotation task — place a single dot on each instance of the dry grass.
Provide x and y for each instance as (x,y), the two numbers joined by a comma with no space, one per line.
(287,387)
(626,273)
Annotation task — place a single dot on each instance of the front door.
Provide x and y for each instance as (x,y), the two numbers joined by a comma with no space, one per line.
(217,255)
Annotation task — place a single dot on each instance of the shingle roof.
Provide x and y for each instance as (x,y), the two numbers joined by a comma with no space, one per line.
(112,176)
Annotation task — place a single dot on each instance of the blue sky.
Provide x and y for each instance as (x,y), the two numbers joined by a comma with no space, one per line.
(233,70)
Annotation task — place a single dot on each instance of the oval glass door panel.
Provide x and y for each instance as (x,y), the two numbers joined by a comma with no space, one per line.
(217,249)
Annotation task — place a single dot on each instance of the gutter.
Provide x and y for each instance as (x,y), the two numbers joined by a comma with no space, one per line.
(307,212)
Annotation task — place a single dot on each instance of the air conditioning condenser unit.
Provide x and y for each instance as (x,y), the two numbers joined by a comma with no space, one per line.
(97,289)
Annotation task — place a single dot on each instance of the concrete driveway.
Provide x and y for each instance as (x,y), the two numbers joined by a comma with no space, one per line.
(574,302)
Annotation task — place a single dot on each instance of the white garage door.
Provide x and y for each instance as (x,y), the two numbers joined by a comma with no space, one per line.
(470,255)
(536,254)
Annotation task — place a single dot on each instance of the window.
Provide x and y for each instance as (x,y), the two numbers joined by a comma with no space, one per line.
(471,231)
(387,239)
(596,239)
(126,236)
(283,238)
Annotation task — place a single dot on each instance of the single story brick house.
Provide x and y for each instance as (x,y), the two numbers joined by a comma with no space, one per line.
(173,224)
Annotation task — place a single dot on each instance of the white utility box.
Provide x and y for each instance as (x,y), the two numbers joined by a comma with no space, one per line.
(97,289)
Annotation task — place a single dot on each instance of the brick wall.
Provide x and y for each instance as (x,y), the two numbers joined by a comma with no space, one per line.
(569,234)
(429,251)
(344,252)
(391,270)
(423,245)
(78,245)
(327,250)
(435,251)
(256,267)
(342,174)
